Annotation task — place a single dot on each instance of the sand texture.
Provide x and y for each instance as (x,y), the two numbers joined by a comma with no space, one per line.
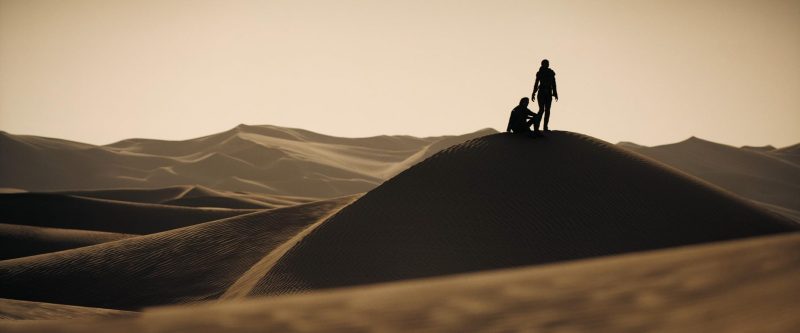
(181,265)
(737,286)
(24,310)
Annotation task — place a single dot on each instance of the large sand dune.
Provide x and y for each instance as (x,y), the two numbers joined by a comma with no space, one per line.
(188,264)
(766,176)
(72,212)
(738,286)
(503,201)
(260,159)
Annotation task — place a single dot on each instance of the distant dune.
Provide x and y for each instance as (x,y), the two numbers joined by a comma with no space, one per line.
(189,264)
(193,196)
(503,201)
(738,286)
(260,159)
(21,240)
(791,153)
(766,176)
(72,212)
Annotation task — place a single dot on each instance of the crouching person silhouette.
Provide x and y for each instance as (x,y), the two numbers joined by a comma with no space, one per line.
(522,118)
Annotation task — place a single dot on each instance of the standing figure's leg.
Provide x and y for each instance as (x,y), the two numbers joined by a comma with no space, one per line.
(545,101)
(543,110)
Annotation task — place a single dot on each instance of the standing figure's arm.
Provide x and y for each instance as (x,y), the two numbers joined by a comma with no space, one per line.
(535,87)
(510,120)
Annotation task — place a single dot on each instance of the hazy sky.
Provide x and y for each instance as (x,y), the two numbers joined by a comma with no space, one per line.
(651,72)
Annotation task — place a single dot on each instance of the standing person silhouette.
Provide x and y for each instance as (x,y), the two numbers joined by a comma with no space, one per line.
(546,86)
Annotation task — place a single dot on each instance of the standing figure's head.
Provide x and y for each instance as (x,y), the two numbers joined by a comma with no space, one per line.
(524,102)
(545,63)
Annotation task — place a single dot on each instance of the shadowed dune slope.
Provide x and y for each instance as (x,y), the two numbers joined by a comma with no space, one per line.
(761,176)
(194,263)
(68,212)
(791,153)
(21,240)
(502,201)
(192,196)
(738,286)
(260,159)
(24,310)
(140,195)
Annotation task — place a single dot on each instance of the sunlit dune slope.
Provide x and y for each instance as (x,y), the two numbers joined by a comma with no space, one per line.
(72,212)
(503,201)
(738,286)
(188,264)
(22,240)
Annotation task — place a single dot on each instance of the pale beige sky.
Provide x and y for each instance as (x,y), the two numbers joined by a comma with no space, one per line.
(651,72)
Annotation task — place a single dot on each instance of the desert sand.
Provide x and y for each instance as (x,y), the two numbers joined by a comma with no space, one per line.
(11,309)
(269,228)
(181,265)
(22,240)
(193,196)
(735,286)
(71,212)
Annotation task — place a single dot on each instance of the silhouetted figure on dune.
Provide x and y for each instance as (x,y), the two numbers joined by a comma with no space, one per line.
(521,120)
(546,86)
